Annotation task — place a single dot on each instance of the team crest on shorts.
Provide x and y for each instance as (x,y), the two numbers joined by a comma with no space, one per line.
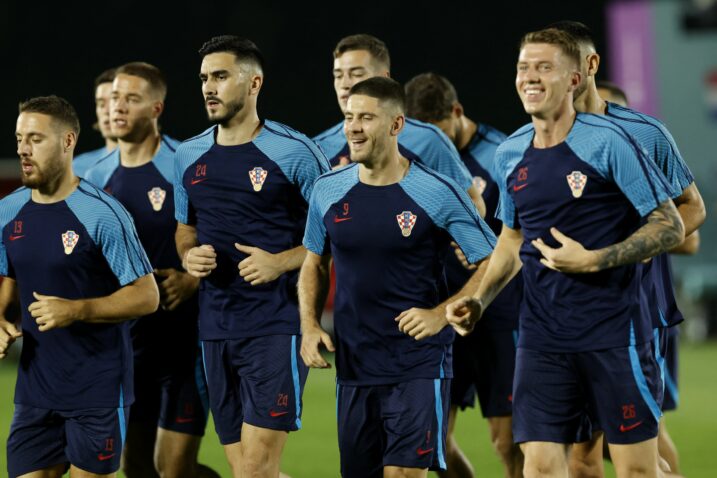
(406,221)
(480,184)
(577,181)
(258,176)
(69,241)
(157,197)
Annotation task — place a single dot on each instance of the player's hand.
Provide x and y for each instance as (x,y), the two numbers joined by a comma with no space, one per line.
(421,323)
(177,287)
(311,340)
(9,333)
(463,314)
(200,261)
(260,266)
(53,312)
(462,257)
(571,257)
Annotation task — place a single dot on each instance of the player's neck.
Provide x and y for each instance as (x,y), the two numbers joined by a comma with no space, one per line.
(110,144)
(552,128)
(133,155)
(466,133)
(384,170)
(58,189)
(242,128)
(590,102)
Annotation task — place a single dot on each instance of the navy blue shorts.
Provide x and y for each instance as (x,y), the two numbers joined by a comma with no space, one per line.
(554,393)
(172,396)
(401,425)
(256,380)
(669,340)
(90,439)
(484,364)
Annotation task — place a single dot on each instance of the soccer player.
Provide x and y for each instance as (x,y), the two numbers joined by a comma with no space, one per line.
(484,362)
(574,188)
(362,56)
(80,271)
(612,93)
(103,87)
(663,151)
(241,192)
(386,221)
(168,417)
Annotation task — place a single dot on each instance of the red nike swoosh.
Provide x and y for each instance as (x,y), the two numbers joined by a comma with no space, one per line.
(277,414)
(422,452)
(341,219)
(15,238)
(102,457)
(197,181)
(184,420)
(518,188)
(624,428)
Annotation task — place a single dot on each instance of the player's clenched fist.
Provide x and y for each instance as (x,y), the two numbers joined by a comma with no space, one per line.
(9,333)
(200,261)
(463,314)
(52,312)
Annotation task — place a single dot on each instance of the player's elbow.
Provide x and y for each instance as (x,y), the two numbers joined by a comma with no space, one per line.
(146,295)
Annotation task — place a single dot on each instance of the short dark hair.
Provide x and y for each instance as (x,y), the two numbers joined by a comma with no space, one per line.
(430,97)
(552,36)
(579,31)
(106,76)
(364,41)
(243,48)
(147,72)
(58,108)
(613,89)
(383,89)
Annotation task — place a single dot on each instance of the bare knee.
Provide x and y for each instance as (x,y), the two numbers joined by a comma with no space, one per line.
(544,459)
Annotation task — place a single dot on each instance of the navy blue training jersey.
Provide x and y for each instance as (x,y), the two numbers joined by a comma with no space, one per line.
(254,194)
(82,247)
(418,141)
(661,148)
(478,156)
(83,162)
(594,187)
(388,245)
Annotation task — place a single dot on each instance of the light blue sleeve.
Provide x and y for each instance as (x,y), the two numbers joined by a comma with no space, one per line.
(434,150)
(112,229)
(165,158)
(331,141)
(9,208)
(186,155)
(102,171)
(451,209)
(328,190)
(507,157)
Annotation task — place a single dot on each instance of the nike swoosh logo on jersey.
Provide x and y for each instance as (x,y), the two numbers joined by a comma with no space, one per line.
(624,428)
(197,181)
(184,420)
(15,238)
(102,457)
(422,452)
(341,219)
(276,414)
(518,188)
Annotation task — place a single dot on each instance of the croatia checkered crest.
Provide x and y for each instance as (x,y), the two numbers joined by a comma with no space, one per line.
(258,176)
(577,181)
(406,221)
(156,198)
(69,241)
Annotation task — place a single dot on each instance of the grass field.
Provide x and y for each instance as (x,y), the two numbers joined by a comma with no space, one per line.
(313,452)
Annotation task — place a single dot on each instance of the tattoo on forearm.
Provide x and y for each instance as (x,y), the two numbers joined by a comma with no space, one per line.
(663,231)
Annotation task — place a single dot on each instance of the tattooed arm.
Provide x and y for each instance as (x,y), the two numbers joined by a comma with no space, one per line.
(663,231)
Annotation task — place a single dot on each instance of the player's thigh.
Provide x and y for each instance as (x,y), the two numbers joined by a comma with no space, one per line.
(547,457)
(95,438)
(262,444)
(360,431)
(636,459)
(52,472)
(76,472)
(223,384)
(175,450)
(36,443)
(398,472)
(586,458)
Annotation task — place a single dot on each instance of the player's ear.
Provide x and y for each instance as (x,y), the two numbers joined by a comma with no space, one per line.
(397,124)
(457,109)
(255,84)
(593,64)
(575,79)
(157,109)
(69,140)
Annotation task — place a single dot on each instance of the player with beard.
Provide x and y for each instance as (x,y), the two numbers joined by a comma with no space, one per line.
(81,273)
(241,191)
(103,88)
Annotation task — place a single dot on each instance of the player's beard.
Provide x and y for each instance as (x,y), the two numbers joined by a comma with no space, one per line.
(42,177)
(232,109)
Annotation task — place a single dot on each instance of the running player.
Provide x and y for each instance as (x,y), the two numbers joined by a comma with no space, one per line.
(103,87)
(573,190)
(362,56)
(386,221)
(241,191)
(663,151)
(168,417)
(484,362)
(80,271)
